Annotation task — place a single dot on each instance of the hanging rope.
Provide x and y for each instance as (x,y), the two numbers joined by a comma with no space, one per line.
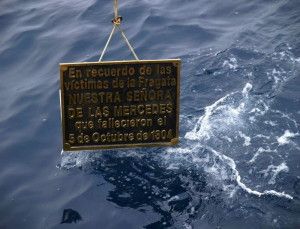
(105,47)
(117,24)
(116,8)
(127,41)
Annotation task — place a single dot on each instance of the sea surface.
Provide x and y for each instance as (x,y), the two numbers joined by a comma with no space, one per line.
(238,161)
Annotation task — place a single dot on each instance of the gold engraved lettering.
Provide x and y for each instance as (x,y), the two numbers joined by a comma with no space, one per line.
(94,98)
(84,125)
(151,95)
(145,70)
(98,112)
(75,113)
(86,84)
(156,83)
(72,73)
(110,72)
(143,109)
(113,123)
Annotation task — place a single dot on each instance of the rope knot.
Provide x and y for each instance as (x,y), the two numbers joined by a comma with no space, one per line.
(117,20)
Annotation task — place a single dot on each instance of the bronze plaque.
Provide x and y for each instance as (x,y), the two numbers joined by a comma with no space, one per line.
(120,104)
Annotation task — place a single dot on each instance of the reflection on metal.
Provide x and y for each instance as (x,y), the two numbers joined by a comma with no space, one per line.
(120,104)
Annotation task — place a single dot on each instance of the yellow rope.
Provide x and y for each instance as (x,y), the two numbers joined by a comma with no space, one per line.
(127,41)
(116,8)
(117,23)
(106,45)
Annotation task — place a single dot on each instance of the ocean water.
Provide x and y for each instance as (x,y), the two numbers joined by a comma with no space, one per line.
(238,161)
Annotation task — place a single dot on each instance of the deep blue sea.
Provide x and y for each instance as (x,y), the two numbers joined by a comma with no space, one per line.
(238,161)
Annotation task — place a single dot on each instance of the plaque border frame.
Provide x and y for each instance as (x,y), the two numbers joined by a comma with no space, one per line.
(172,142)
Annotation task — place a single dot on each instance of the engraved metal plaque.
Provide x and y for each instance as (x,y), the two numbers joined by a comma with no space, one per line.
(120,104)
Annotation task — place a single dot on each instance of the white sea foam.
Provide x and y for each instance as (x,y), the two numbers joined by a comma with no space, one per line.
(271,123)
(252,119)
(70,160)
(285,138)
(220,173)
(209,126)
(247,88)
(259,152)
(227,138)
(230,162)
(287,116)
(274,170)
(231,63)
(247,139)
(224,114)
(262,136)
(203,128)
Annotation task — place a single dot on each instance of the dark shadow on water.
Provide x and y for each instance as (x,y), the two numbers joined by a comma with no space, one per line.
(70,216)
(142,182)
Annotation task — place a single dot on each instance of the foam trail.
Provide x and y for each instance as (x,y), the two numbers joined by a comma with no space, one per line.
(238,178)
(71,160)
(260,151)
(229,113)
(203,128)
(275,170)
